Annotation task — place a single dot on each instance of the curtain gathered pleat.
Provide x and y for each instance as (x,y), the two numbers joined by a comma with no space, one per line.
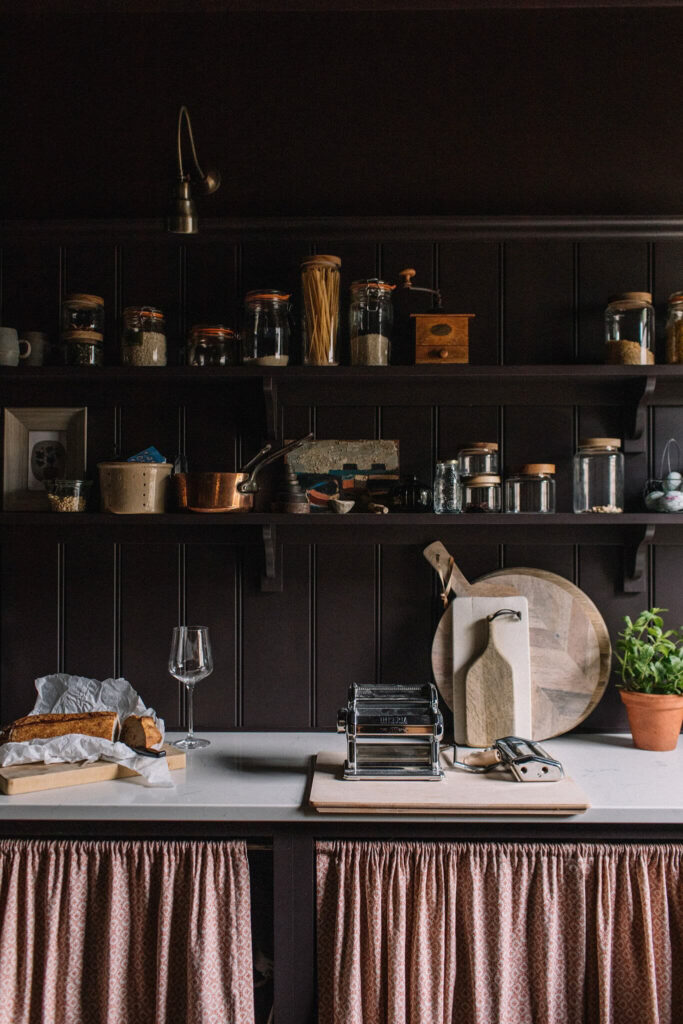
(125,933)
(497,933)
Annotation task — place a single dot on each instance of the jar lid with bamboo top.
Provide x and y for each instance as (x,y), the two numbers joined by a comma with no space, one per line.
(537,469)
(476,445)
(599,442)
(639,298)
(482,480)
(333,261)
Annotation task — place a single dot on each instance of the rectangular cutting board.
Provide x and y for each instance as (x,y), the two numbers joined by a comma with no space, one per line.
(31,778)
(459,793)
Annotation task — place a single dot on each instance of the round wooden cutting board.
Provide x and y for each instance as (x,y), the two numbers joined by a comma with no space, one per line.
(569,646)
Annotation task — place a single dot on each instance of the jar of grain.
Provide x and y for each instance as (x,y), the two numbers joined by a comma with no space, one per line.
(599,475)
(266,332)
(629,329)
(143,342)
(674,329)
(371,318)
(320,277)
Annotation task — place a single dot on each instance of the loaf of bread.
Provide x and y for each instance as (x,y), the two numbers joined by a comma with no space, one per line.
(140,731)
(104,724)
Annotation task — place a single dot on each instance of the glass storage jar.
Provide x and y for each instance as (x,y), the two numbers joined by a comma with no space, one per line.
(213,346)
(674,329)
(629,329)
(82,348)
(371,318)
(447,487)
(482,493)
(320,277)
(143,342)
(599,475)
(83,313)
(478,457)
(532,489)
(265,339)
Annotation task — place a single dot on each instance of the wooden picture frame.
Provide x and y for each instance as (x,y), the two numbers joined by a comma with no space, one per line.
(37,444)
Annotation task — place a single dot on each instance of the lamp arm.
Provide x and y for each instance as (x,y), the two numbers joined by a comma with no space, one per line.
(184,112)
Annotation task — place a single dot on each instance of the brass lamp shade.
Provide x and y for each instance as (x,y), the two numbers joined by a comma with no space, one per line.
(182,215)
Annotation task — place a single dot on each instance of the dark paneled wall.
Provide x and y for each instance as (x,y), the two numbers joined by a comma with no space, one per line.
(284,660)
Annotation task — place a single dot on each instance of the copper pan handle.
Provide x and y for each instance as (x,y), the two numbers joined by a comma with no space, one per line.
(250,486)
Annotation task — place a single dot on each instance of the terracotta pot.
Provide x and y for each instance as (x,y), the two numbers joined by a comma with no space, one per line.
(655,718)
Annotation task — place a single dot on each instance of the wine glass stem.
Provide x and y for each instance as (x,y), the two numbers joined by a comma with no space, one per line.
(190,714)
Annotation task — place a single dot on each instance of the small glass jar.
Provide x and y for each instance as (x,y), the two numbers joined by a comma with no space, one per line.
(532,489)
(82,348)
(83,313)
(320,277)
(67,495)
(482,493)
(143,342)
(265,339)
(447,487)
(213,346)
(629,329)
(599,475)
(479,457)
(371,318)
(674,329)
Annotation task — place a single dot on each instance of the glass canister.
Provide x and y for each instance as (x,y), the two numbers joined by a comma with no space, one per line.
(82,313)
(213,346)
(82,348)
(482,493)
(447,487)
(532,489)
(478,457)
(599,475)
(320,276)
(143,341)
(674,329)
(371,318)
(266,335)
(629,329)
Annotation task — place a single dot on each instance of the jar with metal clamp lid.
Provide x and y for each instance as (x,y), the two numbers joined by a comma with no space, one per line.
(532,489)
(629,329)
(674,329)
(599,475)
(266,335)
(482,493)
(143,342)
(213,346)
(371,318)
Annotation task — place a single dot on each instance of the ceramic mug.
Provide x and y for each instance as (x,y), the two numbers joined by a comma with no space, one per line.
(10,347)
(39,347)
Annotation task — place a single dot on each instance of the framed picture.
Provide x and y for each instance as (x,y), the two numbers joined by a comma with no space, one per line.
(40,445)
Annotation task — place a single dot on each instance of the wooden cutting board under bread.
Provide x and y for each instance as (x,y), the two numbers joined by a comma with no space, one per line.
(31,778)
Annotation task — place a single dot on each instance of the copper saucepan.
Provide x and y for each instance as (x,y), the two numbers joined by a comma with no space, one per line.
(227,492)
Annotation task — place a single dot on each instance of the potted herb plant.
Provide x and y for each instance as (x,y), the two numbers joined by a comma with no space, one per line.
(650,663)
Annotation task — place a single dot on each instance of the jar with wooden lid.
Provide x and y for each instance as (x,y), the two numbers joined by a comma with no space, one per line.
(599,475)
(320,282)
(82,348)
(629,329)
(532,489)
(266,335)
(143,341)
(80,312)
(478,457)
(482,493)
(371,317)
(674,329)
(213,346)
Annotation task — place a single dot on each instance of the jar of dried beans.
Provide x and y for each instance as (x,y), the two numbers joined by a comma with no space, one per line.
(630,329)
(143,342)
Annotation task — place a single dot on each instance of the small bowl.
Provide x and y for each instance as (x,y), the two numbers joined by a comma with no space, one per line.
(67,495)
(341,507)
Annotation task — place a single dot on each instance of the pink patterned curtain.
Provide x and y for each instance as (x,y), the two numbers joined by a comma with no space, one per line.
(486,933)
(124,933)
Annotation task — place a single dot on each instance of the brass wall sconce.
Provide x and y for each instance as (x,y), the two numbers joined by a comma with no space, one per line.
(182,216)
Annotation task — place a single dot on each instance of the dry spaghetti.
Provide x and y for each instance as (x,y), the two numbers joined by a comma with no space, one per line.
(320,288)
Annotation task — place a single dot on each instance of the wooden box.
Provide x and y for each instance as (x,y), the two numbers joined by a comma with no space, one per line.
(441,337)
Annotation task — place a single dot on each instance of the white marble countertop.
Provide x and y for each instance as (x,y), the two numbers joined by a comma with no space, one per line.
(263,777)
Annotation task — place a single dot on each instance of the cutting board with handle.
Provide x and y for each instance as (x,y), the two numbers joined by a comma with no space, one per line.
(569,647)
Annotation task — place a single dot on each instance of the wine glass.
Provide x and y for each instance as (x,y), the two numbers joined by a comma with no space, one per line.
(189,661)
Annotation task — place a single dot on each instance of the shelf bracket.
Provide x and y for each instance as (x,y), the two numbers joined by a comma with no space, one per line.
(272,409)
(635,440)
(271,579)
(635,563)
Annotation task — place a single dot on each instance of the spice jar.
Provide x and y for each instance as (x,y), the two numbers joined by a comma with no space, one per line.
(83,313)
(266,333)
(674,329)
(599,475)
(532,489)
(479,457)
(143,342)
(371,317)
(447,487)
(629,329)
(482,493)
(82,348)
(213,346)
(320,314)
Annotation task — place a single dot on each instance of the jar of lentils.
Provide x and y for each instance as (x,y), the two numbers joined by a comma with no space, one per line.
(674,329)
(143,342)
(478,457)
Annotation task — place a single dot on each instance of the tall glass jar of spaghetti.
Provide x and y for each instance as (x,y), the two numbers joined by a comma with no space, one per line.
(320,310)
